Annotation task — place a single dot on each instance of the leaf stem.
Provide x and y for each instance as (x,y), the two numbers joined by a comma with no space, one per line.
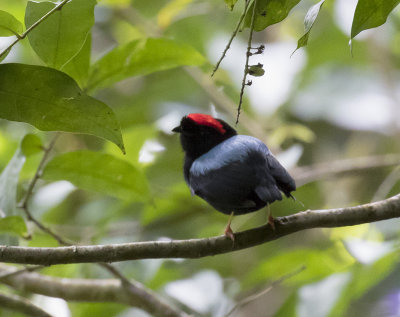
(34,25)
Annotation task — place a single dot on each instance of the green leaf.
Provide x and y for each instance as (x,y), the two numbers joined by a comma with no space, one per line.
(52,101)
(230,3)
(309,20)
(78,66)
(256,70)
(99,172)
(62,35)
(269,12)
(8,184)
(141,57)
(31,144)
(9,223)
(371,14)
(14,225)
(9,25)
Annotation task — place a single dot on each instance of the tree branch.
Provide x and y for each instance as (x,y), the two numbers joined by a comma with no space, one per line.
(308,174)
(197,248)
(21,305)
(84,290)
(247,2)
(150,302)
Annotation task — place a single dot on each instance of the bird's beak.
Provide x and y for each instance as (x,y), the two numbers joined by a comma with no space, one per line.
(177,129)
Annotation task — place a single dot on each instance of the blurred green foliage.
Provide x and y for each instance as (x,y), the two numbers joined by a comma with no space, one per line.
(132,63)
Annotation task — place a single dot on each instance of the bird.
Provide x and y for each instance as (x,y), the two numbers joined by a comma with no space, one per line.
(236,174)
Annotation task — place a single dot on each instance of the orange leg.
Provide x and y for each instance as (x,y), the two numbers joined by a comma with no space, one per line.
(270,218)
(228,230)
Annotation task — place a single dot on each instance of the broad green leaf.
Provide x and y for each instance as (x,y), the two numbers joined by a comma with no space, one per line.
(31,144)
(371,14)
(309,20)
(78,66)
(99,172)
(13,225)
(62,35)
(289,131)
(269,12)
(9,25)
(52,101)
(230,3)
(141,57)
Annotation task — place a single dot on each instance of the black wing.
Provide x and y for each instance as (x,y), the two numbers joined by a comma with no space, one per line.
(241,185)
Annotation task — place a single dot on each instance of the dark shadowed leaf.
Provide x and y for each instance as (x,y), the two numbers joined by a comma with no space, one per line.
(141,57)
(62,35)
(51,101)
(5,54)
(269,12)
(371,14)
(309,20)
(9,25)
(99,172)
(13,225)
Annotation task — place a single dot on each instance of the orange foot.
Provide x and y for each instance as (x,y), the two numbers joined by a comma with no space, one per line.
(229,233)
(271,222)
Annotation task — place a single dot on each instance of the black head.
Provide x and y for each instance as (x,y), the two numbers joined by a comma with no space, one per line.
(201,132)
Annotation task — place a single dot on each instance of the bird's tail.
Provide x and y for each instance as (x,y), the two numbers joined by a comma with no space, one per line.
(295,199)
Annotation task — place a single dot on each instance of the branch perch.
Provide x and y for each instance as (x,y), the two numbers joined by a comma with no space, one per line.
(197,248)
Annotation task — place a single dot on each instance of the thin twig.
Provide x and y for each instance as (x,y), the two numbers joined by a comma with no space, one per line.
(24,270)
(247,62)
(232,37)
(216,95)
(39,171)
(24,203)
(318,171)
(386,186)
(21,305)
(275,283)
(34,25)
(153,302)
